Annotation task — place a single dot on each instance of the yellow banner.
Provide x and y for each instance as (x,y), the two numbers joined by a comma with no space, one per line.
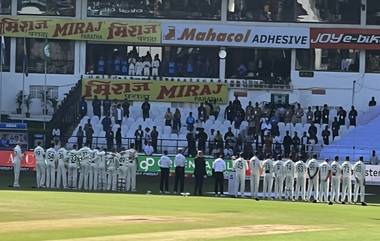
(155,90)
(111,31)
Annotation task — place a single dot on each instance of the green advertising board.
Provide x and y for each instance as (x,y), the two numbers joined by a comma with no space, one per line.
(150,164)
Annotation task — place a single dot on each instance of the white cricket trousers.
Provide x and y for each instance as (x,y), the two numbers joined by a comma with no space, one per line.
(278,187)
(255,182)
(40,173)
(72,176)
(313,186)
(346,189)
(268,183)
(289,187)
(301,188)
(91,177)
(359,186)
(335,185)
(112,180)
(324,191)
(50,175)
(240,182)
(101,178)
(83,176)
(61,175)
(16,172)
(131,178)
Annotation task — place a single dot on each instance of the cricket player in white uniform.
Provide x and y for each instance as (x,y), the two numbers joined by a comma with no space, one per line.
(324,175)
(301,169)
(39,155)
(268,177)
(346,181)
(16,161)
(91,169)
(256,169)
(51,161)
(61,170)
(100,175)
(123,166)
(132,168)
(279,173)
(112,166)
(336,170)
(240,166)
(289,178)
(84,165)
(73,158)
(359,174)
(312,172)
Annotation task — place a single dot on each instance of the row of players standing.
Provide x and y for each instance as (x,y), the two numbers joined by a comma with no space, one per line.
(291,176)
(98,170)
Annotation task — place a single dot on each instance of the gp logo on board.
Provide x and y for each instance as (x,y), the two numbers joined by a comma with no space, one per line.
(233,35)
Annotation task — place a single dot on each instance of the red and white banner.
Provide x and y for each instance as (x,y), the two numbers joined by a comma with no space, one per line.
(344,38)
(28,161)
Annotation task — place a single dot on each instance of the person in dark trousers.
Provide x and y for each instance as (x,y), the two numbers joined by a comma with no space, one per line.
(80,135)
(229,112)
(325,114)
(191,143)
(118,138)
(326,135)
(106,122)
(125,105)
(372,102)
(83,107)
(89,134)
(96,106)
(179,163)
(352,115)
(165,164)
(317,116)
(335,128)
(287,142)
(145,107)
(296,142)
(107,106)
(110,136)
(202,139)
(218,168)
(342,116)
(313,132)
(154,136)
(139,134)
(199,173)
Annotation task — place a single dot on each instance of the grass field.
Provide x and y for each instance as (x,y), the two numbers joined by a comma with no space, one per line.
(29,214)
(44,215)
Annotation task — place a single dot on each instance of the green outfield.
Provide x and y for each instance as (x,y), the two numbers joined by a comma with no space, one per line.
(44,215)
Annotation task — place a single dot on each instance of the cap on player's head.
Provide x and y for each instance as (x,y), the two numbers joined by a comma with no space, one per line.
(52,145)
(39,143)
(314,156)
(237,155)
(180,150)
(347,158)
(326,160)
(336,158)
(165,152)
(132,145)
(221,155)
(361,158)
(241,154)
(268,156)
(279,157)
(290,156)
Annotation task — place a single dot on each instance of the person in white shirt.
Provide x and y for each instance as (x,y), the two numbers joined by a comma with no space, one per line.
(155,65)
(278,167)
(112,166)
(39,155)
(61,169)
(300,168)
(346,180)
(256,169)
(100,176)
(324,175)
(219,167)
(179,163)
(148,149)
(73,157)
(16,161)
(132,67)
(374,160)
(123,166)
(359,174)
(268,176)
(289,178)
(165,164)
(147,64)
(132,168)
(139,67)
(313,171)
(240,166)
(85,155)
(51,159)
(56,133)
(336,170)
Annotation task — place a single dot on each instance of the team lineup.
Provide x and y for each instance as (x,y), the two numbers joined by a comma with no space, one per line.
(289,179)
